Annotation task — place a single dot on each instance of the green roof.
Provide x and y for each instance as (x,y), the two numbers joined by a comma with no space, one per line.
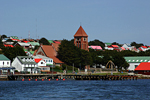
(2,57)
(34,43)
(50,41)
(137,59)
(14,37)
(108,43)
(25,49)
(26,60)
(32,52)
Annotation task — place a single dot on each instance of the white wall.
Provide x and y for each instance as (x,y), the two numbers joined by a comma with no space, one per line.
(5,63)
(132,66)
(17,65)
(40,63)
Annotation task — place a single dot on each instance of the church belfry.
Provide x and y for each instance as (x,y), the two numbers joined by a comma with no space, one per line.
(81,39)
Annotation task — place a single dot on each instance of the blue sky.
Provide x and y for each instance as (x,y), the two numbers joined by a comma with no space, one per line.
(122,21)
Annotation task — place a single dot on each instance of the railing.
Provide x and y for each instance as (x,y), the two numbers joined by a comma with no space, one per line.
(3,76)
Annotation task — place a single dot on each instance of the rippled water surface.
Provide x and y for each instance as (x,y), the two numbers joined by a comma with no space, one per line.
(75,90)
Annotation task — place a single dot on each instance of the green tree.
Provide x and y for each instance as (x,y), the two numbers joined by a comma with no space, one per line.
(44,41)
(70,54)
(136,44)
(11,53)
(97,43)
(9,40)
(3,36)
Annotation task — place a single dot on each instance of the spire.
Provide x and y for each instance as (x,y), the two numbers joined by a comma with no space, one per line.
(80,32)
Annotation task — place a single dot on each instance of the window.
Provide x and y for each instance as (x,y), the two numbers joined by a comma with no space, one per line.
(84,39)
(3,63)
(7,63)
(41,62)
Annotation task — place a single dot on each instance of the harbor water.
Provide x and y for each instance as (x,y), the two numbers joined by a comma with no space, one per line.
(75,90)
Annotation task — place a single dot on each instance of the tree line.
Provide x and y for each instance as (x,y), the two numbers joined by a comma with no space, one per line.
(70,54)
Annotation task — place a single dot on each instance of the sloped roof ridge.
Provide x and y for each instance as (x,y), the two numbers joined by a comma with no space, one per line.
(80,32)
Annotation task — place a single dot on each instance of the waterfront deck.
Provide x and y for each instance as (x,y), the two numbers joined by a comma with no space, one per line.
(71,77)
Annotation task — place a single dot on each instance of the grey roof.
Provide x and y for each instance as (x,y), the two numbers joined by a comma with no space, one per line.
(2,57)
(40,56)
(26,60)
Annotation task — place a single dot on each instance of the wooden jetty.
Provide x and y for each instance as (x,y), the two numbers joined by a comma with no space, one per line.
(72,77)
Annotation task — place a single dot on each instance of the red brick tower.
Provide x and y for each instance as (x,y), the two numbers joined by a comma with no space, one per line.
(81,39)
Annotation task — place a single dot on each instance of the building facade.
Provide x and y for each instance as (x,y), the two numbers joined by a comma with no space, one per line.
(81,39)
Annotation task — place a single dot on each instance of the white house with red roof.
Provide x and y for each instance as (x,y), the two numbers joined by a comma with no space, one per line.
(42,65)
(112,47)
(49,51)
(40,62)
(47,60)
(127,46)
(143,48)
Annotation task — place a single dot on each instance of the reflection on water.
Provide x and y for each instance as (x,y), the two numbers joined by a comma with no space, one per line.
(72,89)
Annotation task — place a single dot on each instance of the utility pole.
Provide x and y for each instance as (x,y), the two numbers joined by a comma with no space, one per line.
(73,67)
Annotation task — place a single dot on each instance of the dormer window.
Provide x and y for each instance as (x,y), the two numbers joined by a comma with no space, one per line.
(27,60)
(23,59)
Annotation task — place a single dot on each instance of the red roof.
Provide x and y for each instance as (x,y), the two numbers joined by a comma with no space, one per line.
(37,60)
(123,48)
(57,42)
(114,46)
(143,46)
(8,45)
(140,49)
(56,60)
(80,32)
(56,46)
(143,66)
(26,41)
(49,50)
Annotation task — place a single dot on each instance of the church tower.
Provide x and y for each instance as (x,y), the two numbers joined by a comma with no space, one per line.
(81,39)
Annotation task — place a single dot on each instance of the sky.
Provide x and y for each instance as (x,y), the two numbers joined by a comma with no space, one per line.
(121,21)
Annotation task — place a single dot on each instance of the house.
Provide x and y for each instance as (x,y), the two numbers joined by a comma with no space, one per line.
(5,65)
(42,65)
(127,46)
(135,61)
(109,48)
(49,61)
(122,48)
(33,44)
(143,68)
(112,47)
(14,38)
(49,51)
(24,45)
(143,48)
(108,44)
(95,47)
(25,64)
